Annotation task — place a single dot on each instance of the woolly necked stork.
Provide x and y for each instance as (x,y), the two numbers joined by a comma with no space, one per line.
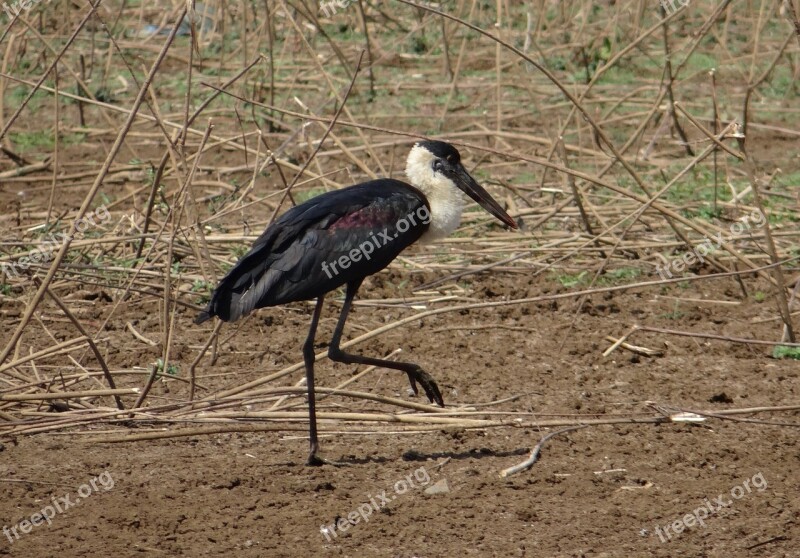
(339,238)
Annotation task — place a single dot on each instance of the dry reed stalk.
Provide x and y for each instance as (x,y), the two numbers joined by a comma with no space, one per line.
(621,216)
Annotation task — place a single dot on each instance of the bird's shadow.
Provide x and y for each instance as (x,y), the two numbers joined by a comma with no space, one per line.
(416,456)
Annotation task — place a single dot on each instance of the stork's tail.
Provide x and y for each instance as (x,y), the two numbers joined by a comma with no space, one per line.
(224,304)
(203,316)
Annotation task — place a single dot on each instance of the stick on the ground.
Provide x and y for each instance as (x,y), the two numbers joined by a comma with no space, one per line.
(534,456)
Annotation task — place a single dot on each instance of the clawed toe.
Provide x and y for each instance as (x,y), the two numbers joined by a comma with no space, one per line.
(428,384)
(412,380)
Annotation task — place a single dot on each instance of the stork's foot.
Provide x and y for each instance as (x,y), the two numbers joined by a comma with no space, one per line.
(315,460)
(428,384)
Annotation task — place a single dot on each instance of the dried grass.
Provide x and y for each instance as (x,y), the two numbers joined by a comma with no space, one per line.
(600,172)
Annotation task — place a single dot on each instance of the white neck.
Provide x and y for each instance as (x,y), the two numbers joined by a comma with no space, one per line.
(444,197)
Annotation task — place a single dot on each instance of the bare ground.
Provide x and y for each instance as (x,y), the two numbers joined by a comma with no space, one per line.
(601,491)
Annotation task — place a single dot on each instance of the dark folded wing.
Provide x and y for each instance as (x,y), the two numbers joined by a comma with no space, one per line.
(322,244)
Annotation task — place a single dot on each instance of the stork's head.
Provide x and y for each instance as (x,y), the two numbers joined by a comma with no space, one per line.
(435,168)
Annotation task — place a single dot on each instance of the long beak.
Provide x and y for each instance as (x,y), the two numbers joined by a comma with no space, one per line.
(474,190)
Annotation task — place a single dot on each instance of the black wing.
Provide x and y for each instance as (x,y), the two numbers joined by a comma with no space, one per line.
(322,244)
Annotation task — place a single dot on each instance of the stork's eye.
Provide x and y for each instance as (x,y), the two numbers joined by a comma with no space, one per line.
(438,165)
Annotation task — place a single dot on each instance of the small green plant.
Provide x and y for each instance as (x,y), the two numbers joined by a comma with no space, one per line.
(571,280)
(676,314)
(617,276)
(419,45)
(708,212)
(216,203)
(204,288)
(760,296)
(238,251)
(158,368)
(199,286)
(782,351)
(305,195)
(26,141)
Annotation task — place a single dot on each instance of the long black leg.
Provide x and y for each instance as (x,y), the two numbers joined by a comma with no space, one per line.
(415,373)
(308,358)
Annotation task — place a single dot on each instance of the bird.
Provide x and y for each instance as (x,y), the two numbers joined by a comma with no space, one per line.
(339,238)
